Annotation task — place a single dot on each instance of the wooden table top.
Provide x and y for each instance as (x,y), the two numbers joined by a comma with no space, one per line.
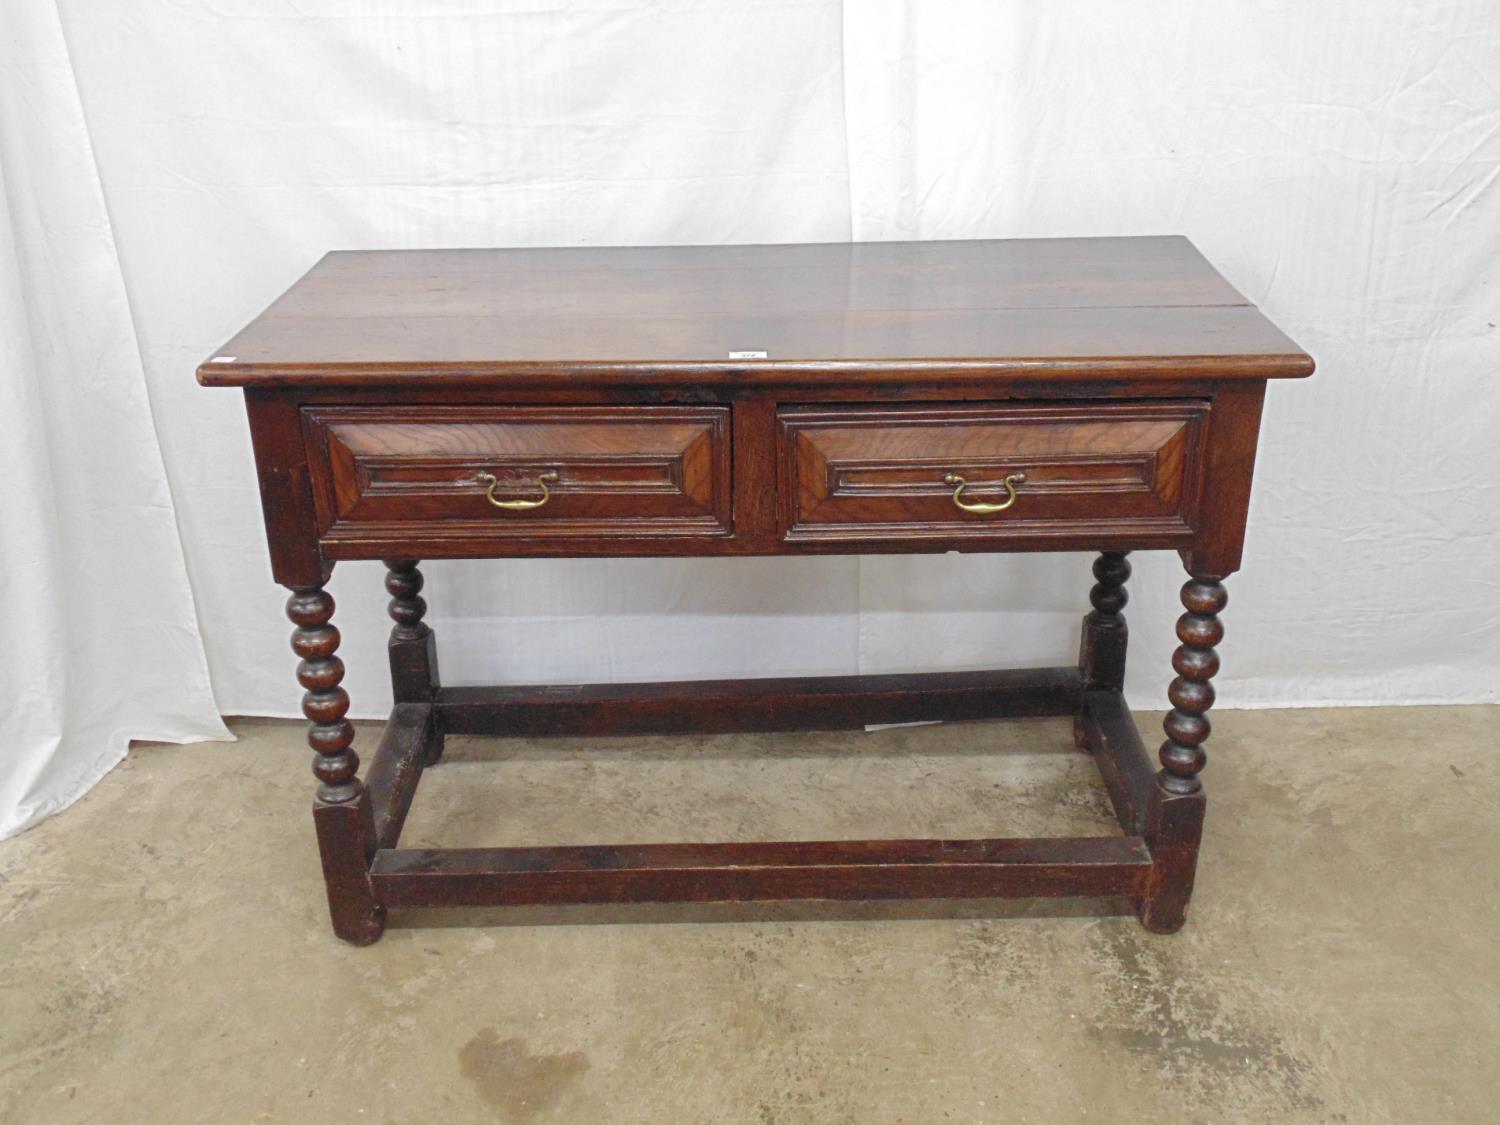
(1147,307)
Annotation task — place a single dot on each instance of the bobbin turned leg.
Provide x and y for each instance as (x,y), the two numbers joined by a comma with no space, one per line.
(1101,653)
(341,809)
(412,648)
(1174,816)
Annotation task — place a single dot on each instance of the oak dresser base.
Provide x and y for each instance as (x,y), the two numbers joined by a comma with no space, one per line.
(1099,395)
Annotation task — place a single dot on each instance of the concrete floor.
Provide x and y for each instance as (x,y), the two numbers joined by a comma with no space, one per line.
(167,957)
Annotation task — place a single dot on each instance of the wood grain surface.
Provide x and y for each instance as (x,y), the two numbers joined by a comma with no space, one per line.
(1148,307)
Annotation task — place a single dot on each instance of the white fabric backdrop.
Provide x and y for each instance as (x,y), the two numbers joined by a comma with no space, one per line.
(1339,161)
(100,641)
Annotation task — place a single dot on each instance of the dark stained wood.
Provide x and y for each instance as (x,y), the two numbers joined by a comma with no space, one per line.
(747,872)
(1196,662)
(285,490)
(642,471)
(1028,308)
(1124,377)
(412,648)
(1106,730)
(391,779)
(1109,469)
(346,844)
(439,540)
(757,480)
(1229,464)
(320,672)
(750,498)
(1101,653)
(1174,818)
(341,810)
(805,703)
(952,384)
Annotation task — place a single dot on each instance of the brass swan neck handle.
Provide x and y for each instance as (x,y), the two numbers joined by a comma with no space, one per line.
(517,505)
(980,507)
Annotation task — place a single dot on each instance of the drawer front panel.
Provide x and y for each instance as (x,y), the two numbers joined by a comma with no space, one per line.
(878,473)
(625,471)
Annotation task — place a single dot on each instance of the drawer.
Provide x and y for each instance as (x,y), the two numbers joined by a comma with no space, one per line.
(519,472)
(890,473)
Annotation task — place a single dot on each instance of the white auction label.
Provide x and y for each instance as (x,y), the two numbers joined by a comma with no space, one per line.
(747,355)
